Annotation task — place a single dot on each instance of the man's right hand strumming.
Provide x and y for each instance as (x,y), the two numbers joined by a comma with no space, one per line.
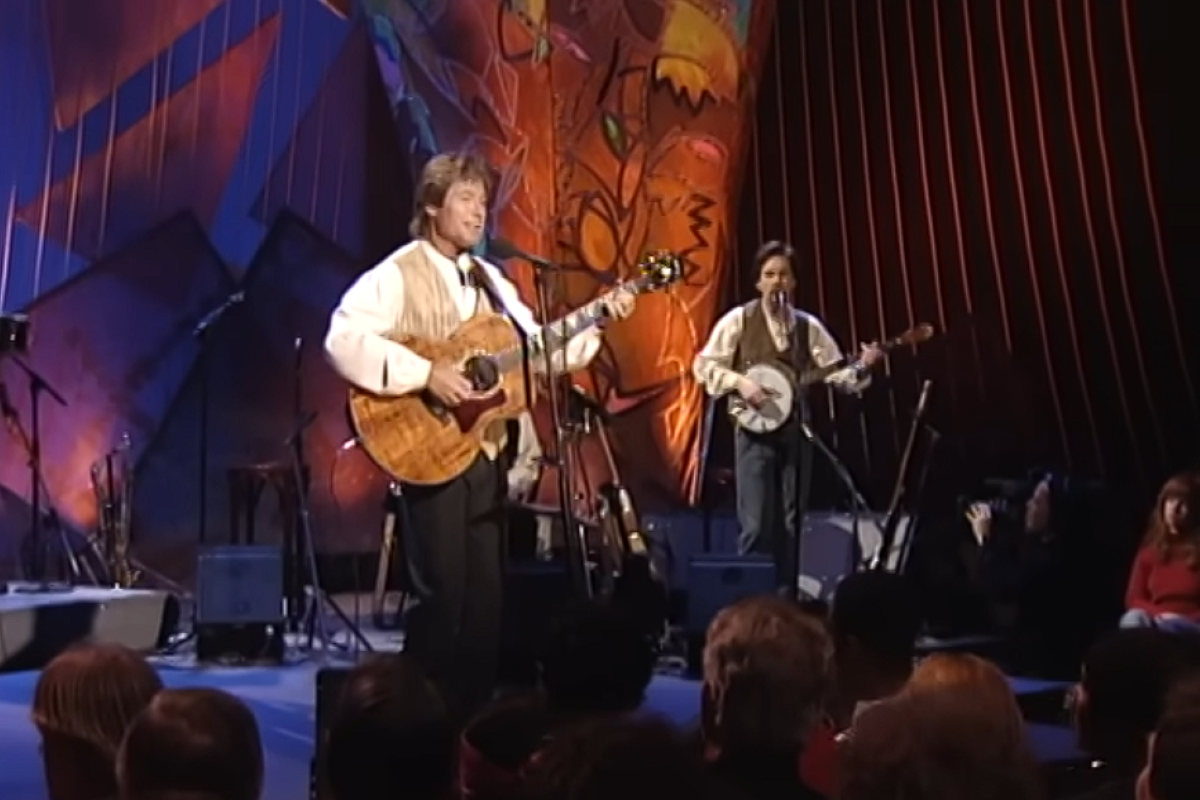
(751,392)
(447,385)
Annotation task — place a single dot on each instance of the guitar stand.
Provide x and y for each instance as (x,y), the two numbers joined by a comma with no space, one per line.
(319,601)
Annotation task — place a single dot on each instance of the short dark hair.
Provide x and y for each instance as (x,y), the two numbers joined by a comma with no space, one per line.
(195,741)
(390,733)
(772,249)
(880,611)
(1174,770)
(595,659)
(1126,677)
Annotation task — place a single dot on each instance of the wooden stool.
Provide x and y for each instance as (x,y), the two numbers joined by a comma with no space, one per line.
(247,484)
(387,615)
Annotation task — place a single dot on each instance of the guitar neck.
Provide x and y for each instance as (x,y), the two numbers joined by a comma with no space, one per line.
(562,330)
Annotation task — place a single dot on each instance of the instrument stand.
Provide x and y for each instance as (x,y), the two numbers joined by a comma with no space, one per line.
(858,503)
(39,517)
(879,561)
(562,460)
(320,603)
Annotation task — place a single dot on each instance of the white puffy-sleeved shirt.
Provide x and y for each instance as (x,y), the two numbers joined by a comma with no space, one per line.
(713,365)
(357,343)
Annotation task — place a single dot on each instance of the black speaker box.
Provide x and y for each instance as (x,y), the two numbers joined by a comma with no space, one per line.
(715,582)
(239,605)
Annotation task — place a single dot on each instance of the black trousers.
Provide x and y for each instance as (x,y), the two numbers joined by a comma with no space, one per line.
(454,549)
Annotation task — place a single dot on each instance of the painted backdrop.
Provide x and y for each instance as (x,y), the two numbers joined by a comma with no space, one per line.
(618,128)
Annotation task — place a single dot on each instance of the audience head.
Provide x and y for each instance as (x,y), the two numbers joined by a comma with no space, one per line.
(1125,678)
(875,619)
(1172,770)
(616,756)
(390,734)
(931,745)
(979,685)
(1175,521)
(766,676)
(497,744)
(196,743)
(83,703)
(596,661)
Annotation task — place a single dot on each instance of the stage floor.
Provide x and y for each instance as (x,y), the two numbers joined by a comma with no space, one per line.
(283,699)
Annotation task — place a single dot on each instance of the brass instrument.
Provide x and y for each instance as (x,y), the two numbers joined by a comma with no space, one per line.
(112,483)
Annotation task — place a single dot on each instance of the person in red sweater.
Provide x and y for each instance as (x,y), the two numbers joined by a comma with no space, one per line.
(1164,584)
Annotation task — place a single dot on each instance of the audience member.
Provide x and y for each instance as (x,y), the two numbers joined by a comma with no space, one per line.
(767,668)
(391,735)
(618,757)
(195,743)
(1025,564)
(84,701)
(1164,582)
(984,692)
(934,744)
(1119,699)
(875,621)
(597,662)
(1172,770)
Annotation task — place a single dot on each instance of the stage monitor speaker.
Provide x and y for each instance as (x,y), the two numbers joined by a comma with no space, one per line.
(36,627)
(239,604)
(715,582)
(829,549)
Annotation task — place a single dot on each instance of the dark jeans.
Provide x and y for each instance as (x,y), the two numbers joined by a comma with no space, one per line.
(454,549)
(772,474)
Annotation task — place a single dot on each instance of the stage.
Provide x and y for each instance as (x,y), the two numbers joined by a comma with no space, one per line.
(283,699)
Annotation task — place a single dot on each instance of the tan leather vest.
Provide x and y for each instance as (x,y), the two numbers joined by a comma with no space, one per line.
(431,312)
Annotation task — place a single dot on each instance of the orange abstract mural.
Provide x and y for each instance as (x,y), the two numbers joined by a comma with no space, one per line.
(617,128)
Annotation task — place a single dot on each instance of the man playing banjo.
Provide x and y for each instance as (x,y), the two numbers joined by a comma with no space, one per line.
(757,354)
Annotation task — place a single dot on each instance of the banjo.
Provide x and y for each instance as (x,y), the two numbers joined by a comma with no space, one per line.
(780,386)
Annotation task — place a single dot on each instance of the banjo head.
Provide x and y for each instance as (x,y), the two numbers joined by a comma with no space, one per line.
(771,416)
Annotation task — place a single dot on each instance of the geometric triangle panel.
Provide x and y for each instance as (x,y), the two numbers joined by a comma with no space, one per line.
(177,158)
(321,174)
(96,46)
(116,343)
(255,370)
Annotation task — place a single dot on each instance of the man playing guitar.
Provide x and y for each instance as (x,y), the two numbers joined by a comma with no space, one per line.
(770,331)
(428,288)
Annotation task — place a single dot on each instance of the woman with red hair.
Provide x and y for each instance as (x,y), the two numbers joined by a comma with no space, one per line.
(1164,584)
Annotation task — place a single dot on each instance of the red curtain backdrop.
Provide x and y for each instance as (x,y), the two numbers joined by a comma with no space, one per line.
(996,169)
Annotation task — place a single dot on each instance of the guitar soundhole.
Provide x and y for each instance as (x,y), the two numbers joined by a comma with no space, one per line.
(481,371)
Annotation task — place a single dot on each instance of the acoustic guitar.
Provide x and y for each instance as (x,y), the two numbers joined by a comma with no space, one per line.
(417,440)
(781,387)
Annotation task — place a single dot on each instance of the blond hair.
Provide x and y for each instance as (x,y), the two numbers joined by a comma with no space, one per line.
(438,175)
(92,694)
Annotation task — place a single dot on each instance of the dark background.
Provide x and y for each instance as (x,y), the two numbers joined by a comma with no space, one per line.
(998,169)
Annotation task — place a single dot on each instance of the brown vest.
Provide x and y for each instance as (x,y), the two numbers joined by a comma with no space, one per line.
(431,312)
(757,346)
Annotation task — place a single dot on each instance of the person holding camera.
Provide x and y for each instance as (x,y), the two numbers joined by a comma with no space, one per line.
(1023,566)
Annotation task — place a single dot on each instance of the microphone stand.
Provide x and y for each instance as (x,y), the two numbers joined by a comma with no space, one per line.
(858,503)
(576,549)
(33,443)
(201,333)
(293,591)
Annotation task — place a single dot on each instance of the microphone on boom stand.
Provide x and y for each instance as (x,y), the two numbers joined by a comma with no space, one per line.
(548,341)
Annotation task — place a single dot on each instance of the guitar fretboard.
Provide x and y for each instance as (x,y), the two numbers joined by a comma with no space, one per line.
(558,333)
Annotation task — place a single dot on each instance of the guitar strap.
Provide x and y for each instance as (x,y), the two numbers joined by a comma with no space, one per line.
(480,278)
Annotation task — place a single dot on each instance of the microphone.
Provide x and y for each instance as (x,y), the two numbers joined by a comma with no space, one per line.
(925,388)
(503,250)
